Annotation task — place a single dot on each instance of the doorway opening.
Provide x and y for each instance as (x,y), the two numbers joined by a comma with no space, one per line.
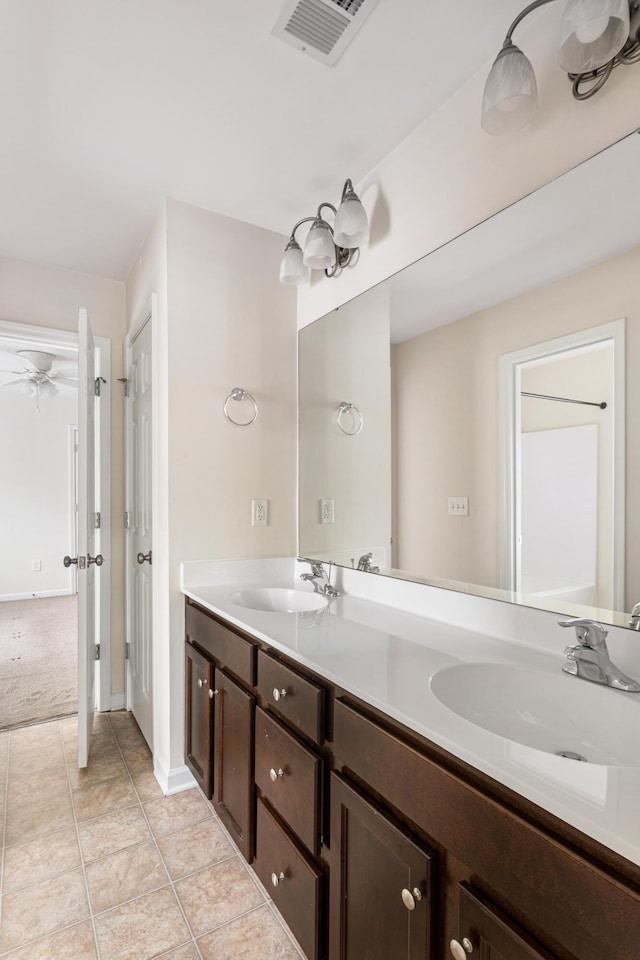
(563,452)
(39,522)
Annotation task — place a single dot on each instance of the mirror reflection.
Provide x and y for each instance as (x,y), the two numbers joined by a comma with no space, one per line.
(473,422)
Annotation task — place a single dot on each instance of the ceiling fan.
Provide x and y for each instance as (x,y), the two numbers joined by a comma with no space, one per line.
(38,380)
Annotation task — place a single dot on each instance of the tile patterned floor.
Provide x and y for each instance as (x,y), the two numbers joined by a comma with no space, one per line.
(98,865)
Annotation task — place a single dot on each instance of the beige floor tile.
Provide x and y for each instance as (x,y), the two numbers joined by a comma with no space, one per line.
(40,734)
(147,787)
(34,761)
(51,783)
(125,875)
(188,952)
(49,906)
(74,943)
(142,928)
(103,768)
(42,816)
(195,847)
(113,832)
(217,894)
(175,812)
(40,859)
(252,937)
(140,756)
(106,796)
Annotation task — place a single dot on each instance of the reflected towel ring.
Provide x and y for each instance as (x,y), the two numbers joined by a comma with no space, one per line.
(239,394)
(356,419)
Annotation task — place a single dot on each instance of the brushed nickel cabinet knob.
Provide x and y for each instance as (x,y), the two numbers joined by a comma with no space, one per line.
(276,774)
(277,878)
(279,694)
(460,951)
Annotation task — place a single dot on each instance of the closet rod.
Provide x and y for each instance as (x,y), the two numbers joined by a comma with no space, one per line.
(543,396)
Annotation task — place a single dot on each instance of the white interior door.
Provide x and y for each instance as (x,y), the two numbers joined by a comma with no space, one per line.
(87,630)
(140,541)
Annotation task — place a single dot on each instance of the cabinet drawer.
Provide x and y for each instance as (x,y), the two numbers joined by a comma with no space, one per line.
(491,932)
(297,700)
(289,775)
(292,879)
(227,648)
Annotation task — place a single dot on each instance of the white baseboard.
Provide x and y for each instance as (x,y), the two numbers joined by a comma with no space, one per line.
(118,701)
(36,595)
(175,780)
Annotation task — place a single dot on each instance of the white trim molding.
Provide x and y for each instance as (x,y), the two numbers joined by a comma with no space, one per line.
(118,701)
(172,781)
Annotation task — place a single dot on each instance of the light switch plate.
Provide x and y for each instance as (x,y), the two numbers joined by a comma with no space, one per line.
(327,513)
(458,507)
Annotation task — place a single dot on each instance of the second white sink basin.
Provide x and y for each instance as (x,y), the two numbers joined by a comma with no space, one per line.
(279,600)
(557,714)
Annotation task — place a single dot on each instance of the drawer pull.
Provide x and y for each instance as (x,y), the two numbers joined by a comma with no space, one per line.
(279,694)
(460,951)
(274,774)
(212,693)
(409,898)
(277,878)
(202,683)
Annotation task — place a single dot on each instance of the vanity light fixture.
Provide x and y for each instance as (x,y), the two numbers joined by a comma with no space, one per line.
(595,37)
(325,247)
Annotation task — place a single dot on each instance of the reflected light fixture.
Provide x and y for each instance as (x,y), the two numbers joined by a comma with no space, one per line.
(325,247)
(595,37)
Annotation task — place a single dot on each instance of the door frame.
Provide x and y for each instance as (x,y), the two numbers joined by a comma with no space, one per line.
(159,488)
(510,494)
(40,338)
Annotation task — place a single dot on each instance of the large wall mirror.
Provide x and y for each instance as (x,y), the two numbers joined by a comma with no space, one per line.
(474,421)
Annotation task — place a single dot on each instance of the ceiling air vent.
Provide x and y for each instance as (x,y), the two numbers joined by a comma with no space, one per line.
(322,28)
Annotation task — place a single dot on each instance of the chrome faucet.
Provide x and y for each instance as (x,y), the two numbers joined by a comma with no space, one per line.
(364,563)
(634,622)
(589,657)
(320,579)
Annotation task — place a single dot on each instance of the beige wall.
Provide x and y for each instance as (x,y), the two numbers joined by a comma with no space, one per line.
(228,323)
(454,369)
(345,357)
(50,297)
(448,175)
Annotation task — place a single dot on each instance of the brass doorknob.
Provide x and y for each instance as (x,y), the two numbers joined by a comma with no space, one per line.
(144,557)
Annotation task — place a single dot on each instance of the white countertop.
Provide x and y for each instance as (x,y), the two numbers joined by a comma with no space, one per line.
(386,656)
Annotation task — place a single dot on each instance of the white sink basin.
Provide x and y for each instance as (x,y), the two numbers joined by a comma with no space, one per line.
(279,600)
(556,714)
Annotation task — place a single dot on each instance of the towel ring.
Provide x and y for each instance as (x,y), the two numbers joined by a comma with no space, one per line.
(239,394)
(356,418)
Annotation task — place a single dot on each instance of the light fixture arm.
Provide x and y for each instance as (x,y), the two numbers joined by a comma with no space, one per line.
(523,13)
(299,224)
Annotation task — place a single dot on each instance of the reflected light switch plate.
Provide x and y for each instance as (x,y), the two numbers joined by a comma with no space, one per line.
(326,511)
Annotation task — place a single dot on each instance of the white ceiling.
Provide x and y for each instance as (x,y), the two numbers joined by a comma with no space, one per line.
(108,105)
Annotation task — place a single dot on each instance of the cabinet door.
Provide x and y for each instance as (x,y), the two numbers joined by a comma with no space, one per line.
(381,898)
(487,933)
(199,716)
(233,788)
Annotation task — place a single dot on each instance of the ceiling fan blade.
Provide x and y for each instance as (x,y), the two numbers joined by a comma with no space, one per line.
(13,383)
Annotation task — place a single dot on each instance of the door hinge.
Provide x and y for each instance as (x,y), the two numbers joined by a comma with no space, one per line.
(127,520)
(126,382)
(127,651)
(98,381)
(97,520)
(97,651)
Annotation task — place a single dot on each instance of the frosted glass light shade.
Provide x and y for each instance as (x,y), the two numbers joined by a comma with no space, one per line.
(29,387)
(293,272)
(592,33)
(47,389)
(352,226)
(510,96)
(319,248)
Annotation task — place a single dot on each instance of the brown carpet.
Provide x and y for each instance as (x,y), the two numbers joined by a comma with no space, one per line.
(38,659)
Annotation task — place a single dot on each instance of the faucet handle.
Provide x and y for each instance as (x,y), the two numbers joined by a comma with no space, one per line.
(589,633)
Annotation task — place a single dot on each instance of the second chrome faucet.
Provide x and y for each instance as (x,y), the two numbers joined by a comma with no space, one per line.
(589,657)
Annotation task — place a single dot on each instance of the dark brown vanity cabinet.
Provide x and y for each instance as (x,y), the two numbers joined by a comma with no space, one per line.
(487,933)
(219,721)
(376,843)
(381,884)
(199,673)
